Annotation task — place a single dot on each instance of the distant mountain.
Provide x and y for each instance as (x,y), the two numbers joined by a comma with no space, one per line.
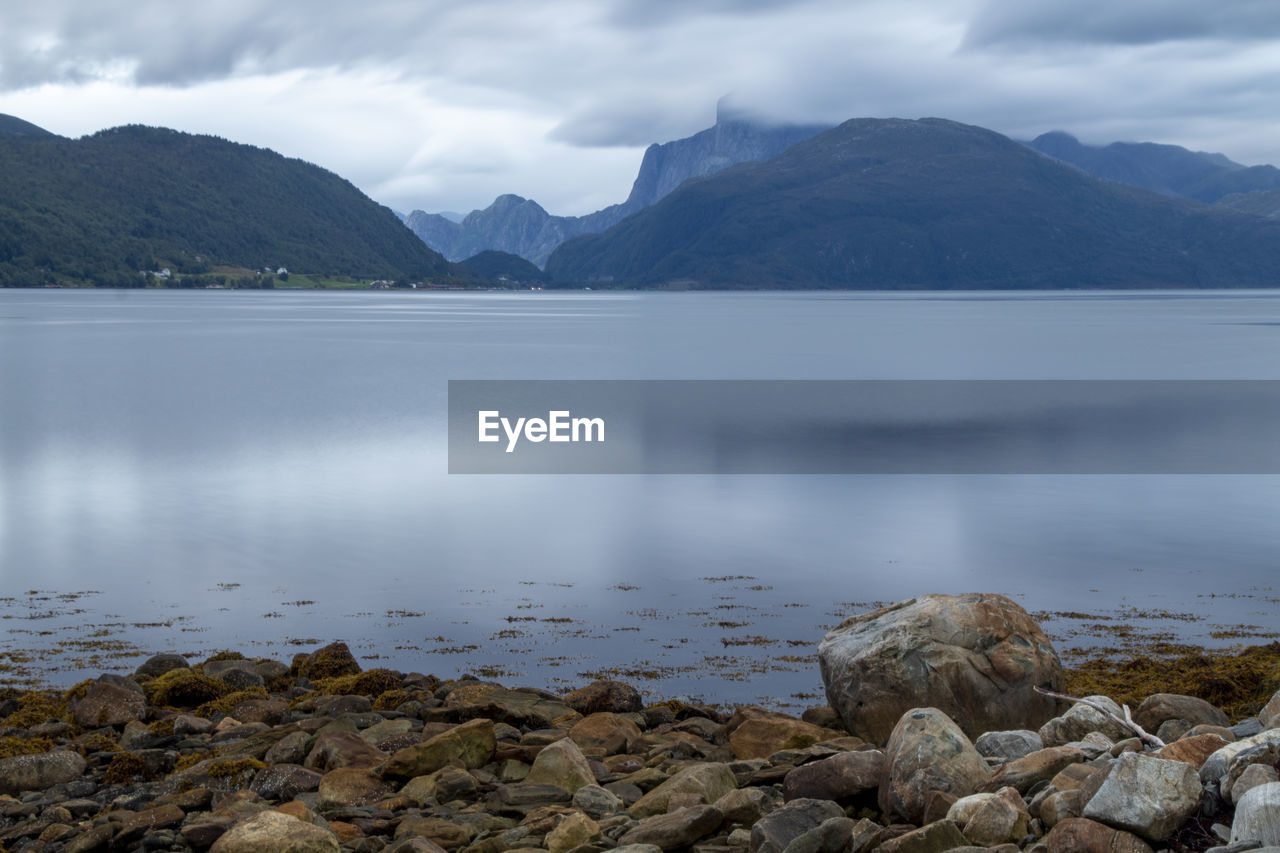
(1166,169)
(891,203)
(14,126)
(101,208)
(522,227)
(495,266)
(1261,203)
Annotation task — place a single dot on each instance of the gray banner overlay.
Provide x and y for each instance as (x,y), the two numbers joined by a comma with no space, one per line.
(864,427)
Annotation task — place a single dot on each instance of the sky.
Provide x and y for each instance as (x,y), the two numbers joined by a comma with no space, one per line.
(445,104)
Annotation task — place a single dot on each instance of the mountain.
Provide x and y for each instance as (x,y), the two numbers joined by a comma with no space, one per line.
(522,227)
(494,266)
(891,203)
(102,208)
(1166,169)
(1260,203)
(14,126)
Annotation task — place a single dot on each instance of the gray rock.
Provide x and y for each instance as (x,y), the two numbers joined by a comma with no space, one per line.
(976,658)
(1158,707)
(596,801)
(928,752)
(1216,766)
(106,704)
(290,749)
(284,781)
(1150,797)
(710,781)
(1248,727)
(1081,719)
(158,665)
(672,830)
(773,832)
(272,830)
(1257,815)
(1253,776)
(830,836)
(1008,745)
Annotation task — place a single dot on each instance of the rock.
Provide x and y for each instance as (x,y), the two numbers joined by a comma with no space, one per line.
(342,749)
(39,771)
(1158,707)
(744,806)
(519,708)
(596,801)
(330,661)
(415,845)
(1081,719)
(269,711)
(1171,730)
(1080,835)
(444,786)
(158,665)
(935,837)
(1001,819)
(473,743)
(839,777)
(710,781)
(106,704)
(606,733)
(290,749)
(773,832)
(675,829)
(284,781)
(573,831)
(611,696)
(1215,767)
(1041,765)
(1267,752)
(379,732)
(962,809)
(1060,805)
(1147,796)
(1008,745)
(1269,716)
(277,833)
(1253,776)
(833,835)
(928,752)
(1248,727)
(974,657)
(561,764)
(1193,750)
(760,737)
(445,833)
(1257,815)
(351,786)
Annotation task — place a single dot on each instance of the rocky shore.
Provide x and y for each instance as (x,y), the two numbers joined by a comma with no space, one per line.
(935,738)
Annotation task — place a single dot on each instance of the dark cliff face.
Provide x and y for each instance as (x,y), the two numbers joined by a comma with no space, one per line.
(521,227)
(932,204)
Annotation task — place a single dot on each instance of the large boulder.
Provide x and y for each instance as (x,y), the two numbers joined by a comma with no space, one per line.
(975,657)
(927,752)
(1147,796)
(38,771)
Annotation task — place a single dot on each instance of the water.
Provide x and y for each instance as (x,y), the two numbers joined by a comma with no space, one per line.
(267,471)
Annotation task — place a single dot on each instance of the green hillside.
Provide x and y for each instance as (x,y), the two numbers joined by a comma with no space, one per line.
(890,203)
(102,208)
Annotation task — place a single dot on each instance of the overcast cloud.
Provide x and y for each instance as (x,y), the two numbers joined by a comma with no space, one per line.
(443,105)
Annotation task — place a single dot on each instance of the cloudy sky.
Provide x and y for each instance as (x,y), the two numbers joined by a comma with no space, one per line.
(444,104)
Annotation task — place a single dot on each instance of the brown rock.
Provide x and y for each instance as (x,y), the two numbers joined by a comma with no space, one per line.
(764,733)
(473,743)
(278,833)
(575,830)
(605,733)
(675,829)
(108,705)
(928,752)
(839,777)
(711,781)
(561,764)
(1158,707)
(269,711)
(351,786)
(935,837)
(1080,835)
(1043,764)
(1192,750)
(1002,819)
(332,660)
(447,834)
(1060,805)
(604,695)
(38,771)
(974,657)
(342,749)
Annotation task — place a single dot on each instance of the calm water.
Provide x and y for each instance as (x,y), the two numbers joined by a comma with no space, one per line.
(266,471)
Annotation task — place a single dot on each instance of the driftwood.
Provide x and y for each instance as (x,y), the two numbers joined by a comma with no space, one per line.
(1144,736)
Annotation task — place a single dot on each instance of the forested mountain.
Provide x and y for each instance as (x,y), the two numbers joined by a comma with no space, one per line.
(103,208)
(932,204)
(522,227)
(1166,169)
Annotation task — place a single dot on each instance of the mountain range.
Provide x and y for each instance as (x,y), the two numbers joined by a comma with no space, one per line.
(105,207)
(520,226)
(931,203)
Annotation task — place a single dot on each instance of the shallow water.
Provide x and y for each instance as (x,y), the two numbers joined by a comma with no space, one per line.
(267,471)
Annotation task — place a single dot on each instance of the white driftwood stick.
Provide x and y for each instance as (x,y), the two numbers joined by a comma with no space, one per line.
(1127,721)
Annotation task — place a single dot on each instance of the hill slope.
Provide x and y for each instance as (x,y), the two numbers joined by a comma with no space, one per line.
(1165,169)
(522,227)
(14,126)
(924,204)
(101,208)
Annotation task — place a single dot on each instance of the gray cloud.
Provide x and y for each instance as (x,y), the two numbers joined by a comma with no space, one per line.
(1133,22)
(443,104)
